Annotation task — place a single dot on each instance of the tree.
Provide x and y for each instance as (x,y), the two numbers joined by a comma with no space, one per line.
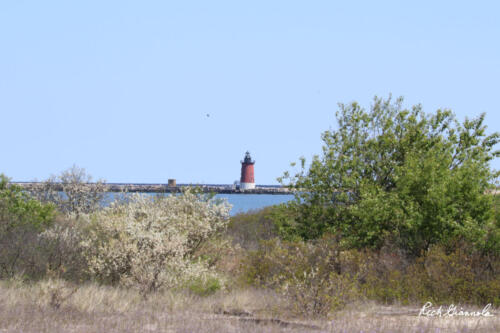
(22,218)
(396,174)
(17,208)
(72,191)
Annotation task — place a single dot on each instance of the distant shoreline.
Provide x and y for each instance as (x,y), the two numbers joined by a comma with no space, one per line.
(206,188)
(165,188)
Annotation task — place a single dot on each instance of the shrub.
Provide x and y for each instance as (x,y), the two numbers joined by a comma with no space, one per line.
(308,274)
(463,275)
(21,219)
(319,276)
(18,208)
(149,242)
(492,244)
(248,229)
(204,286)
(72,191)
(59,250)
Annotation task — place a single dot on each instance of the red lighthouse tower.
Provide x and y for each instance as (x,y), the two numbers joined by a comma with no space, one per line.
(247,180)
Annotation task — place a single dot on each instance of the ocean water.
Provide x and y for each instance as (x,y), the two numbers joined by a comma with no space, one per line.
(241,203)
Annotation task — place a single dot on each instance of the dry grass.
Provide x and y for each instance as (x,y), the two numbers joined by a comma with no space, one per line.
(55,306)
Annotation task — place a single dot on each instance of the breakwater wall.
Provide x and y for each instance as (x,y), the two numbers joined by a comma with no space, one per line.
(165,188)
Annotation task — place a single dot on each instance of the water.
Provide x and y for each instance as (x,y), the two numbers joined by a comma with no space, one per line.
(241,203)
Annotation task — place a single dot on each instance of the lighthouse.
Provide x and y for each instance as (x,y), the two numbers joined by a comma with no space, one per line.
(247,180)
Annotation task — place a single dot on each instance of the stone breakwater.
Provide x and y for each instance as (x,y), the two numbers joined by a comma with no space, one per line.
(164,188)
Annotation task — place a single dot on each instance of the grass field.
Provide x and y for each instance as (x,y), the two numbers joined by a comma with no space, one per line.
(55,306)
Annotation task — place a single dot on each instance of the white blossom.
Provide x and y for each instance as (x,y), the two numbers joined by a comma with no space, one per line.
(149,241)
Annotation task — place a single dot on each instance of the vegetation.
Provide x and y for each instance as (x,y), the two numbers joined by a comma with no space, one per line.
(150,242)
(398,210)
(398,175)
(72,191)
(307,274)
(144,242)
(18,209)
(21,219)
(91,307)
(249,229)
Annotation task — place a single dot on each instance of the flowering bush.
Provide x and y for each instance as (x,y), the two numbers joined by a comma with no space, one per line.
(149,241)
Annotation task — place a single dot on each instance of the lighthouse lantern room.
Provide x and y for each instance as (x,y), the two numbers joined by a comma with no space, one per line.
(247,180)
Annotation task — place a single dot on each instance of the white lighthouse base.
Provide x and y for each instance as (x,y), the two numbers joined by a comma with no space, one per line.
(247,186)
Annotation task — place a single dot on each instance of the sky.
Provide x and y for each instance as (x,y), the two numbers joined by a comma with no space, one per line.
(144,91)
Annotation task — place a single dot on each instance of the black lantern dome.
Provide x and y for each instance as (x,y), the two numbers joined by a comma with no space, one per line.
(247,159)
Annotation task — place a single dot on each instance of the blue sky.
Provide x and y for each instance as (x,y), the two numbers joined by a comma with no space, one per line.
(123,88)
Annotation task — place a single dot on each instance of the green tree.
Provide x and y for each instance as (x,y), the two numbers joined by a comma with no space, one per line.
(19,208)
(396,174)
(22,218)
